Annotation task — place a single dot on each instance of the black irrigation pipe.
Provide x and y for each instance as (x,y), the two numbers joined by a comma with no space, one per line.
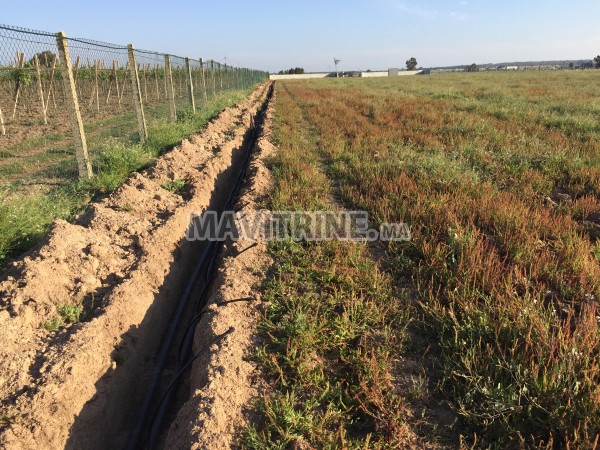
(206,263)
(168,392)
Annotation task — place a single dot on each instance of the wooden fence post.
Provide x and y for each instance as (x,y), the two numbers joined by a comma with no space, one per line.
(170,91)
(190,84)
(96,68)
(51,87)
(40,88)
(146,82)
(156,81)
(83,160)
(137,94)
(220,77)
(2,129)
(19,65)
(212,75)
(204,96)
(123,83)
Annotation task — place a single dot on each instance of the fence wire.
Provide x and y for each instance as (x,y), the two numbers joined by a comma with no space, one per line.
(37,147)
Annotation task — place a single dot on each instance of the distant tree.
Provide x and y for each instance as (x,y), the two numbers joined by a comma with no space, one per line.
(411,64)
(292,71)
(472,68)
(597,62)
(571,65)
(45,58)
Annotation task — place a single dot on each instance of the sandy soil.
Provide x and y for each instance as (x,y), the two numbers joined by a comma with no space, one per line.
(126,261)
(223,381)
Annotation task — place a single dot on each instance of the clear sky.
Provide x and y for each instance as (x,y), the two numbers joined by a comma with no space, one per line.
(364,34)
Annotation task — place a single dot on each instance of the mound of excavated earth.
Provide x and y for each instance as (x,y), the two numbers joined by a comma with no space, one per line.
(126,261)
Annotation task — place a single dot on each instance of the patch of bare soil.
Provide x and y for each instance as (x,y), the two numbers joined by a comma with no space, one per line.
(125,261)
(223,381)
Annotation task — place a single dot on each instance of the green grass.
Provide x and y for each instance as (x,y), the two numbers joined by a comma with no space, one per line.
(504,275)
(334,327)
(67,315)
(26,214)
(176,186)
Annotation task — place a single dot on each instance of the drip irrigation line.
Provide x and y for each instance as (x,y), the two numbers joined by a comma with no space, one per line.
(247,248)
(206,264)
(160,411)
(237,300)
(134,439)
(240,207)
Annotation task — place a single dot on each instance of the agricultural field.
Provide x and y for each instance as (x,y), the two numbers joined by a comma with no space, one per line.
(39,176)
(37,145)
(483,330)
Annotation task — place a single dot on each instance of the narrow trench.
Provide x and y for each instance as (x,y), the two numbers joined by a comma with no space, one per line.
(168,387)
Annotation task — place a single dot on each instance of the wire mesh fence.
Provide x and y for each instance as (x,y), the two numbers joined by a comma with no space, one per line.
(38,127)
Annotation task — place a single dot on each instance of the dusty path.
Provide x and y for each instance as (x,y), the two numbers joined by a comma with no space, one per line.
(125,261)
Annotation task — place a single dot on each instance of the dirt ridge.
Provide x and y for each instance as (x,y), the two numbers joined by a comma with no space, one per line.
(223,381)
(124,261)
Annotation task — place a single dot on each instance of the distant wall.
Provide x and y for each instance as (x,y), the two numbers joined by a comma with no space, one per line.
(306,76)
(374,74)
(303,76)
(391,73)
(404,73)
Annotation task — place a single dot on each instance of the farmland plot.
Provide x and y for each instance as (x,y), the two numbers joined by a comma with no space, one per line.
(491,308)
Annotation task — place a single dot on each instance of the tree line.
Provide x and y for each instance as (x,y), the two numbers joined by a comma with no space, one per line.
(293,71)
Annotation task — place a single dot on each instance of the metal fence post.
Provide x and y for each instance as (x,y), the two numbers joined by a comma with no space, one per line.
(170,91)
(190,84)
(83,160)
(137,94)
(203,80)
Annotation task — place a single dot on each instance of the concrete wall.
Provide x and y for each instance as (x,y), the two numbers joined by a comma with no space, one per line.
(404,73)
(401,73)
(307,76)
(304,76)
(374,74)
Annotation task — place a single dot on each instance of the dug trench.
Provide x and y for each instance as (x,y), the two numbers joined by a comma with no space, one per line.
(123,268)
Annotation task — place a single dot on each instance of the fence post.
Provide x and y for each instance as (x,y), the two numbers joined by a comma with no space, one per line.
(190,83)
(40,88)
(203,79)
(83,160)
(170,92)
(220,76)
(137,94)
(2,129)
(212,75)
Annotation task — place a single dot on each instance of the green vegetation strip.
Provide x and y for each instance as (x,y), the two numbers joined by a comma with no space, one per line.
(25,214)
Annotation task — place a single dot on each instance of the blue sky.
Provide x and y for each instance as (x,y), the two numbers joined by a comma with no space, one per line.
(364,34)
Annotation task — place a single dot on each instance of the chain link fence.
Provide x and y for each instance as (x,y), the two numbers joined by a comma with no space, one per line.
(39,136)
